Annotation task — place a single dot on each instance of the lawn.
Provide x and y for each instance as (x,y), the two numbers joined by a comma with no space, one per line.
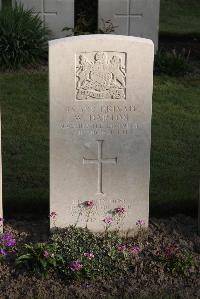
(180,16)
(175,155)
(24,101)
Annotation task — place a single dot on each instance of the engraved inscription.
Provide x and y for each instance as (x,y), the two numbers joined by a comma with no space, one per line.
(101,76)
(102,120)
(99,162)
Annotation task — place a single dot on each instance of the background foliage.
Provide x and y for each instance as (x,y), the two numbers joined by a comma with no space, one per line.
(23,38)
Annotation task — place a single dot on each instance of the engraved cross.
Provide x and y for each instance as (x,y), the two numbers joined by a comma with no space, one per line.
(128,17)
(43,12)
(99,162)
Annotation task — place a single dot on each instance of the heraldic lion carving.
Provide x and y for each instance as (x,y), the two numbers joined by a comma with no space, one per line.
(101,76)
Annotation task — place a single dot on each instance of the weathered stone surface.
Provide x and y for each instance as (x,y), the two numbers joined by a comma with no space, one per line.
(1,204)
(56,14)
(100,130)
(132,17)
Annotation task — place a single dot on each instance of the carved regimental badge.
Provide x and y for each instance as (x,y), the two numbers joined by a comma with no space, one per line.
(101,76)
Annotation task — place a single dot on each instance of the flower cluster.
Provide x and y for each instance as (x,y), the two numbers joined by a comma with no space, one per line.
(89,204)
(75,265)
(135,250)
(53,215)
(89,255)
(121,247)
(7,244)
(140,223)
(167,252)
(117,217)
(46,253)
(108,220)
(8,240)
(119,211)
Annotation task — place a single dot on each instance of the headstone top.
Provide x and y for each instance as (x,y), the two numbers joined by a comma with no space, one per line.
(99,37)
(132,17)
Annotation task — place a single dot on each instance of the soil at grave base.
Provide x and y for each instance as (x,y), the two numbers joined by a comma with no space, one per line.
(143,282)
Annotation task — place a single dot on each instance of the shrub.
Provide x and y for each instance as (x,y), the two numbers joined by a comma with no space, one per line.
(172,63)
(39,257)
(23,38)
(83,27)
(175,260)
(88,255)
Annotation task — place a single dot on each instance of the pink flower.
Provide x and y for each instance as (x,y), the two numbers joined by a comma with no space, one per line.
(119,211)
(121,247)
(108,220)
(135,249)
(45,253)
(75,265)
(89,255)
(89,204)
(53,215)
(140,222)
(3,252)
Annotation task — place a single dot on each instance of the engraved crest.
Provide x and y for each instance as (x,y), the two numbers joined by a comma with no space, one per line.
(101,76)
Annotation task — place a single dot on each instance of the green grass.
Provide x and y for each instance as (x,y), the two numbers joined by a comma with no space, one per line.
(175,142)
(180,16)
(24,101)
(175,159)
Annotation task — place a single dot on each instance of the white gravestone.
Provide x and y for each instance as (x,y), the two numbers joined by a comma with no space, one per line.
(132,17)
(56,14)
(1,205)
(100,130)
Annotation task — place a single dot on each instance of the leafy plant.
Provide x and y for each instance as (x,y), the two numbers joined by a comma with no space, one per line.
(23,38)
(180,263)
(172,63)
(82,27)
(39,257)
(175,260)
(89,9)
(89,255)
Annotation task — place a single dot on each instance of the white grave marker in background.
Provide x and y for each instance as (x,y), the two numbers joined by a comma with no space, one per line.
(56,14)
(100,129)
(132,17)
